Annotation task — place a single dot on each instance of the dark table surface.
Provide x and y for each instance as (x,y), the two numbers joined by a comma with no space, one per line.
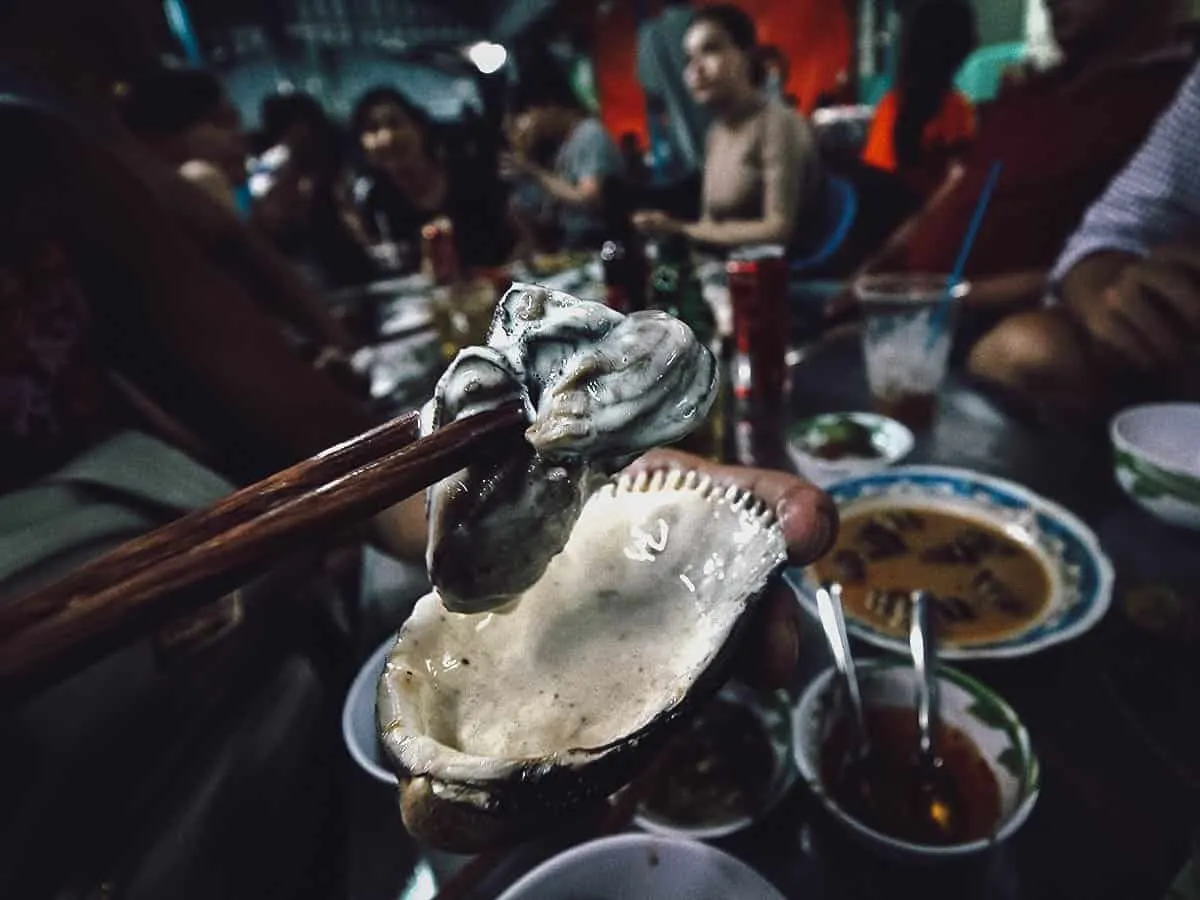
(1114,715)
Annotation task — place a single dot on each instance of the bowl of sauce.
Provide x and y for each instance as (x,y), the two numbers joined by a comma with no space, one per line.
(987,585)
(828,448)
(985,750)
(727,768)
(1012,572)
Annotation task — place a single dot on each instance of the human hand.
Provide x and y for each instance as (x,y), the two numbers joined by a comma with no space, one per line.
(514,165)
(809,521)
(656,224)
(1149,317)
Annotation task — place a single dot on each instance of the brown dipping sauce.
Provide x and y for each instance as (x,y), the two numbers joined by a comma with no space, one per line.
(893,776)
(986,585)
(718,769)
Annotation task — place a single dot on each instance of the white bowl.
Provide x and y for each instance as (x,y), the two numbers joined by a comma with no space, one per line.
(891,440)
(967,705)
(359,728)
(1157,458)
(643,867)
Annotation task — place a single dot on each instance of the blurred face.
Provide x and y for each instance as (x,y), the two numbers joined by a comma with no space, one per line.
(392,140)
(717,70)
(531,132)
(520,129)
(218,139)
(1081,26)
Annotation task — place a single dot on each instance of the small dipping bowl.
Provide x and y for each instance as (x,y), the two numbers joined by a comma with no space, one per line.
(705,794)
(1157,460)
(987,723)
(812,442)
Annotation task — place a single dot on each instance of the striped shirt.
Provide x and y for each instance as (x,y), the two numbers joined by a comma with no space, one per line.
(1156,198)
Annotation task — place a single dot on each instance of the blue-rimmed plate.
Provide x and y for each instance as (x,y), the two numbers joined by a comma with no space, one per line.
(1081,576)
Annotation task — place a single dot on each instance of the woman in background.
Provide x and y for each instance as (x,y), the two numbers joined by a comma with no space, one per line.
(300,201)
(416,176)
(923,123)
(762,171)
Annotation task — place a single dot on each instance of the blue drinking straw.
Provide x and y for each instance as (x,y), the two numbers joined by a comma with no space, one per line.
(964,252)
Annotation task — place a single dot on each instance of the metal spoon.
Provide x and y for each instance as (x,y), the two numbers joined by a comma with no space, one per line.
(833,620)
(937,803)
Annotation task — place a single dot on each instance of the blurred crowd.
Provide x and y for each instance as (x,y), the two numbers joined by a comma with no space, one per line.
(164,269)
(156,240)
(171,223)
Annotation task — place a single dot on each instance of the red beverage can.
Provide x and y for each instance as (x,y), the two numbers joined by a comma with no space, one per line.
(439,252)
(758,279)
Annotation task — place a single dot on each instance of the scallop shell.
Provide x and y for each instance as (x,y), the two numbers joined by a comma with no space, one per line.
(559,698)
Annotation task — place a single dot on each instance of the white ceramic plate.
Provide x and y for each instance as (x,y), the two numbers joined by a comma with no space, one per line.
(1081,575)
(642,867)
(359,729)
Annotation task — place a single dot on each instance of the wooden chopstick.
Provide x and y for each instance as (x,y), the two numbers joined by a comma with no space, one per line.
(140,585)
(203,524)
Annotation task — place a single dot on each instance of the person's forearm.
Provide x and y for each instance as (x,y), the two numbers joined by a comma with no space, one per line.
(894,252)
(895,249)
(1010,291)
(563,191)
(738,233)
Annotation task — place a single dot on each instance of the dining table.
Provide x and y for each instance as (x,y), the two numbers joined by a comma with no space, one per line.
(1114,715)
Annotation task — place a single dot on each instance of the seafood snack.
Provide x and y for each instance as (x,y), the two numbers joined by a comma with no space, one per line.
(599,388)
(575,616)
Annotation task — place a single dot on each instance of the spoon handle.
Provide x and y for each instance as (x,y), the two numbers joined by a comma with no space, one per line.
(922,644)
(833,620)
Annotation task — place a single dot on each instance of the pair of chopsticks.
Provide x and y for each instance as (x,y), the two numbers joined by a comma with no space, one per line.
(141,584)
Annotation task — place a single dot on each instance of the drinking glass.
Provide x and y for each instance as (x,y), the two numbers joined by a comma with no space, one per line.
(908,328)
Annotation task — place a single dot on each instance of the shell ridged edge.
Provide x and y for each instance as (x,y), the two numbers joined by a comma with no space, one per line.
(689,480)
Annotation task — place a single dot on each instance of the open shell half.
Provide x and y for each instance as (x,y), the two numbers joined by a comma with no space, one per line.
(499,722)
